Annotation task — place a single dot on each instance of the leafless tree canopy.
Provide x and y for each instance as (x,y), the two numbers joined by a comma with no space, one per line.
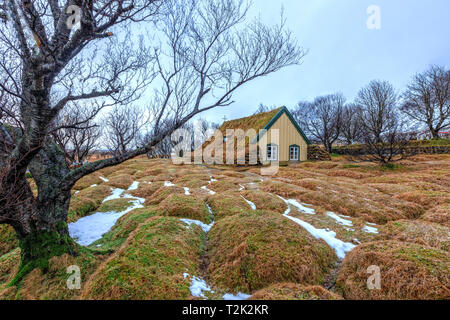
(322,118)
(199,53)
(382,127)
(351,126)
(427,99)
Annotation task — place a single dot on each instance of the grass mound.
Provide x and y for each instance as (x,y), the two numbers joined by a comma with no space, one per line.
(122,229)
(265,201)
(408,271)
(294,291)
(224,185)
(182,206)
(9,265)
(116,205)
(227,204)
(254,250)
(8,239)
(162,193)
(439,214)
(146,190)
(87,181)
(87,201)
(151,263)
(122,181)
(417,231)
(281,189)
(193,180)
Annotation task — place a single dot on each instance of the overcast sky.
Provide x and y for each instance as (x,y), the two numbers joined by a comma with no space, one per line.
(344,54)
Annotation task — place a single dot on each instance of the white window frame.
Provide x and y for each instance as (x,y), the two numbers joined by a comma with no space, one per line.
(273,152)
(296,152)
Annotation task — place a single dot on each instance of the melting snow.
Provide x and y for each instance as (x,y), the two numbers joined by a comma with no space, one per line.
(198,286)
(134,186)
(210,191)
(212,180)
(91,228)
(116,193)
(252,205)
(92,186)
(239,296)
(370,229)
(339,220)
(340,247)
(104,179)
(168,184)
(300,206)
(204,226)
(241,187)
(186,191)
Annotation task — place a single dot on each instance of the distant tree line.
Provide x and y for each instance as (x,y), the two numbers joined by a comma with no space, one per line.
(380,118)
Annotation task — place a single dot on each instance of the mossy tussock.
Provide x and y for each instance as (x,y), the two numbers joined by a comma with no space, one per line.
(265,201)
(439,214)
(87,181)
(125,225)
(121,181)
(182,206)
(150,265)
(162,193)
(87,201)
(227,204)
(8,239)
(294,291)
(418,231)
(254,250)
(408,271)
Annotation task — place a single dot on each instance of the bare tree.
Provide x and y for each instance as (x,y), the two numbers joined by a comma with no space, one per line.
(381,124)
(76,133)
(264,108)
(351,128)
(122,128)
(205,53)
(427,99)
(322,118)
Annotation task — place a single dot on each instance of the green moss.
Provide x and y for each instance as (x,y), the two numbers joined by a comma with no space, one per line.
(39,247)
(116,205)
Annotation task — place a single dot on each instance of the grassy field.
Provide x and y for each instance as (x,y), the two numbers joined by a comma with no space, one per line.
(309,232)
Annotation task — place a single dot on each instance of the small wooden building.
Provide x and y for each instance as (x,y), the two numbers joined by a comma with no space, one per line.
(276,135)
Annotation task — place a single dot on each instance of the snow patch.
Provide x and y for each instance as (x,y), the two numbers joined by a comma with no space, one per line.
(104,179)
(340,220)
(340,247)
(116,193)
(168,184)
(198,286)
(186,191)
(301,207)
(242,188)
(93,186)
(134,186)
(370,229)
(239,296)
(210,191)
(91,228)
(205,227)
(252,205)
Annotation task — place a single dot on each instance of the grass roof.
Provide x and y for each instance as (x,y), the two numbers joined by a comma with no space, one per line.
(257,121)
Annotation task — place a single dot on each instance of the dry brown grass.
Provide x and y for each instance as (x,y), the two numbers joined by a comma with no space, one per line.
(87,181)
(265,201)
(408,271)
(418,231)
(182,206)
(438,214)
(121,181)
(294,291)
(87,201)
(162,193)
(8,239)
(227,204)
(146,190)
(254,250)
(150,265)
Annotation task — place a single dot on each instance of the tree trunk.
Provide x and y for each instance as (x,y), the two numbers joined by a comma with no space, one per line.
(435,134)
